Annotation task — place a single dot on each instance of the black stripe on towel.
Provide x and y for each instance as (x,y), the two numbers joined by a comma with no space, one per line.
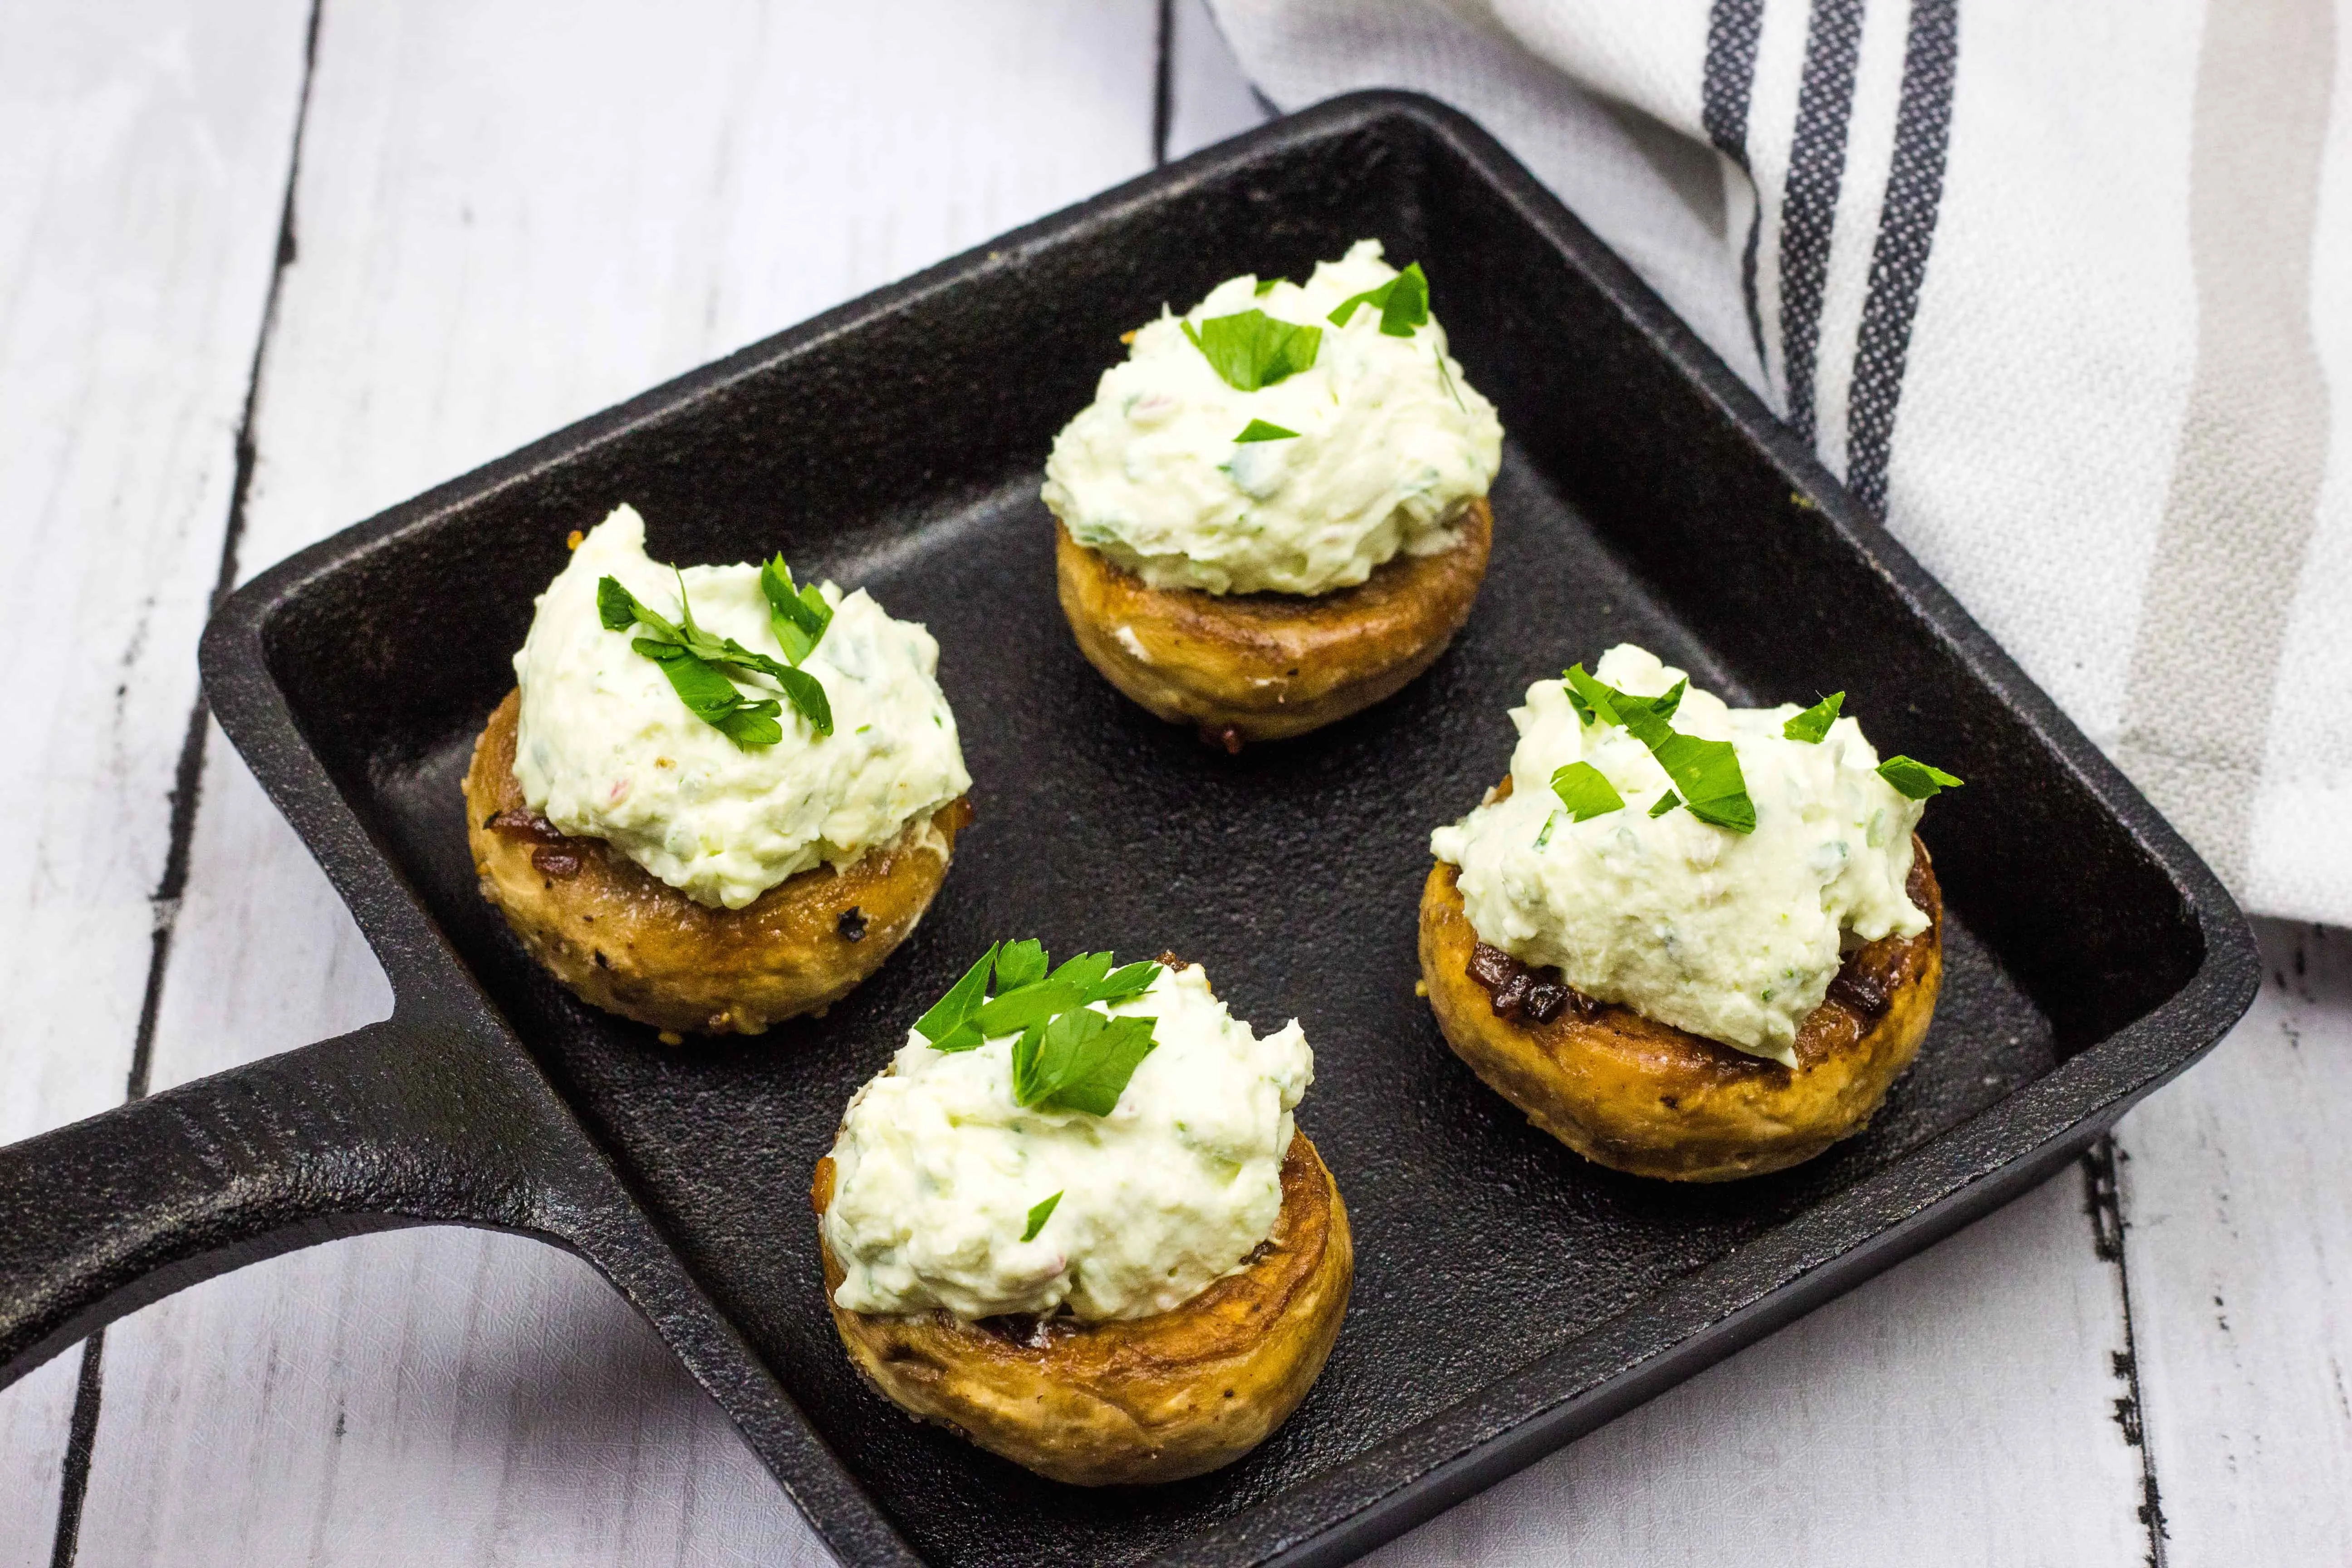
(1906,228)
(1732,29)
(1808,211)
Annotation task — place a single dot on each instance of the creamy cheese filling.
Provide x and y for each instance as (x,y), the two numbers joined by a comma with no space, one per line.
(606,749)
(1391,444)
(1734,937)
(938,1169)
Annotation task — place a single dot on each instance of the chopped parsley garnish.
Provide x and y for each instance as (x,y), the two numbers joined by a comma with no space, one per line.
(1039,1215)
(798,616)
(1079,1062)
(1586,791)
(1402,302)
(703,669)
(1814,723)
(1664,804)
(1252,349)
(1266,286)
(1065,1054)
(1020,964)
(1916,779)
(1707,773)
(943,1025)
(1445,379)
(1260,430)
(1544,836)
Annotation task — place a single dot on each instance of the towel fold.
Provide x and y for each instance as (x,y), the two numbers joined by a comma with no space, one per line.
(2061,290)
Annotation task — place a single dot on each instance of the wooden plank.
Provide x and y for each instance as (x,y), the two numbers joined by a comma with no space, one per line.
(455,1398)
(2239,1237)
(34,1414)
(438,1397)
(139,205)
(1960,1409)
(138,197)
(511,217)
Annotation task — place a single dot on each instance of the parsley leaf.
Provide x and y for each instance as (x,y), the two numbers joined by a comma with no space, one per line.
(1266,286)
(1645,716)
(1066,1054)
(798,616)
(1578,683)
(1252,349)
(1664,804)
(1091,973)
(619,610)
(1445,379)
(1814,723)
(1402,302)
(1029,995)
(1586,791)
(943,1026)
(1079,1060)
(1039,1215)
(1707,773)
(1259,430)
(1020,964)
(1084,971)
(1130,980)
(702,670)
(808,699)
(1010,1011)
(713,697)
(1916,779)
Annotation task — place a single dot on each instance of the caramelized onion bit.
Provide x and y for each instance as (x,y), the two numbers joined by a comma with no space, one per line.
(1547,1001)
(1512,993)
(1490,966)
(1862,990)
(1538,994)
(524,824)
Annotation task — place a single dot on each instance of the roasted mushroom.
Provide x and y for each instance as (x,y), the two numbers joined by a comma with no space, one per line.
(1148,1399)
(628,942)
(1644,1097)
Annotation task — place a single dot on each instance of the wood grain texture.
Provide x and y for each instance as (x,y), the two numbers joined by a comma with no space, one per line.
(514,215)
(34,1414)
(2237,1187)
(146,148)
(1957,1410)
(441,1396)
(139,201)
(511,216)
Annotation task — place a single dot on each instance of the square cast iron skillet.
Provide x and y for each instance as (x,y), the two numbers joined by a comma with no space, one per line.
(1509,1295)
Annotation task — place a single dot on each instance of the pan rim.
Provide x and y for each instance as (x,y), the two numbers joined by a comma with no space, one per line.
(1925,1193)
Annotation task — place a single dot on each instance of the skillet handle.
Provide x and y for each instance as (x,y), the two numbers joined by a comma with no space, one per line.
(389,1126)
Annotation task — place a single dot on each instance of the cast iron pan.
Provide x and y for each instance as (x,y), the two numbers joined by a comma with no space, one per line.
(1509,1296)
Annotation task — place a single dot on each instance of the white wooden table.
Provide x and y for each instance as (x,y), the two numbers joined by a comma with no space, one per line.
(266,270)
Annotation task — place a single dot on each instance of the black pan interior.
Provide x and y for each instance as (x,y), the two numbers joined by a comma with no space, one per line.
(900,448)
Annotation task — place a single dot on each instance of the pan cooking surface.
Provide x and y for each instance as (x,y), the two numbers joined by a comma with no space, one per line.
(1508,1294)
(1293,872)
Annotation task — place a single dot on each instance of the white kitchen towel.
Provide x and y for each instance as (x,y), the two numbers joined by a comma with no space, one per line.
(2060,289)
